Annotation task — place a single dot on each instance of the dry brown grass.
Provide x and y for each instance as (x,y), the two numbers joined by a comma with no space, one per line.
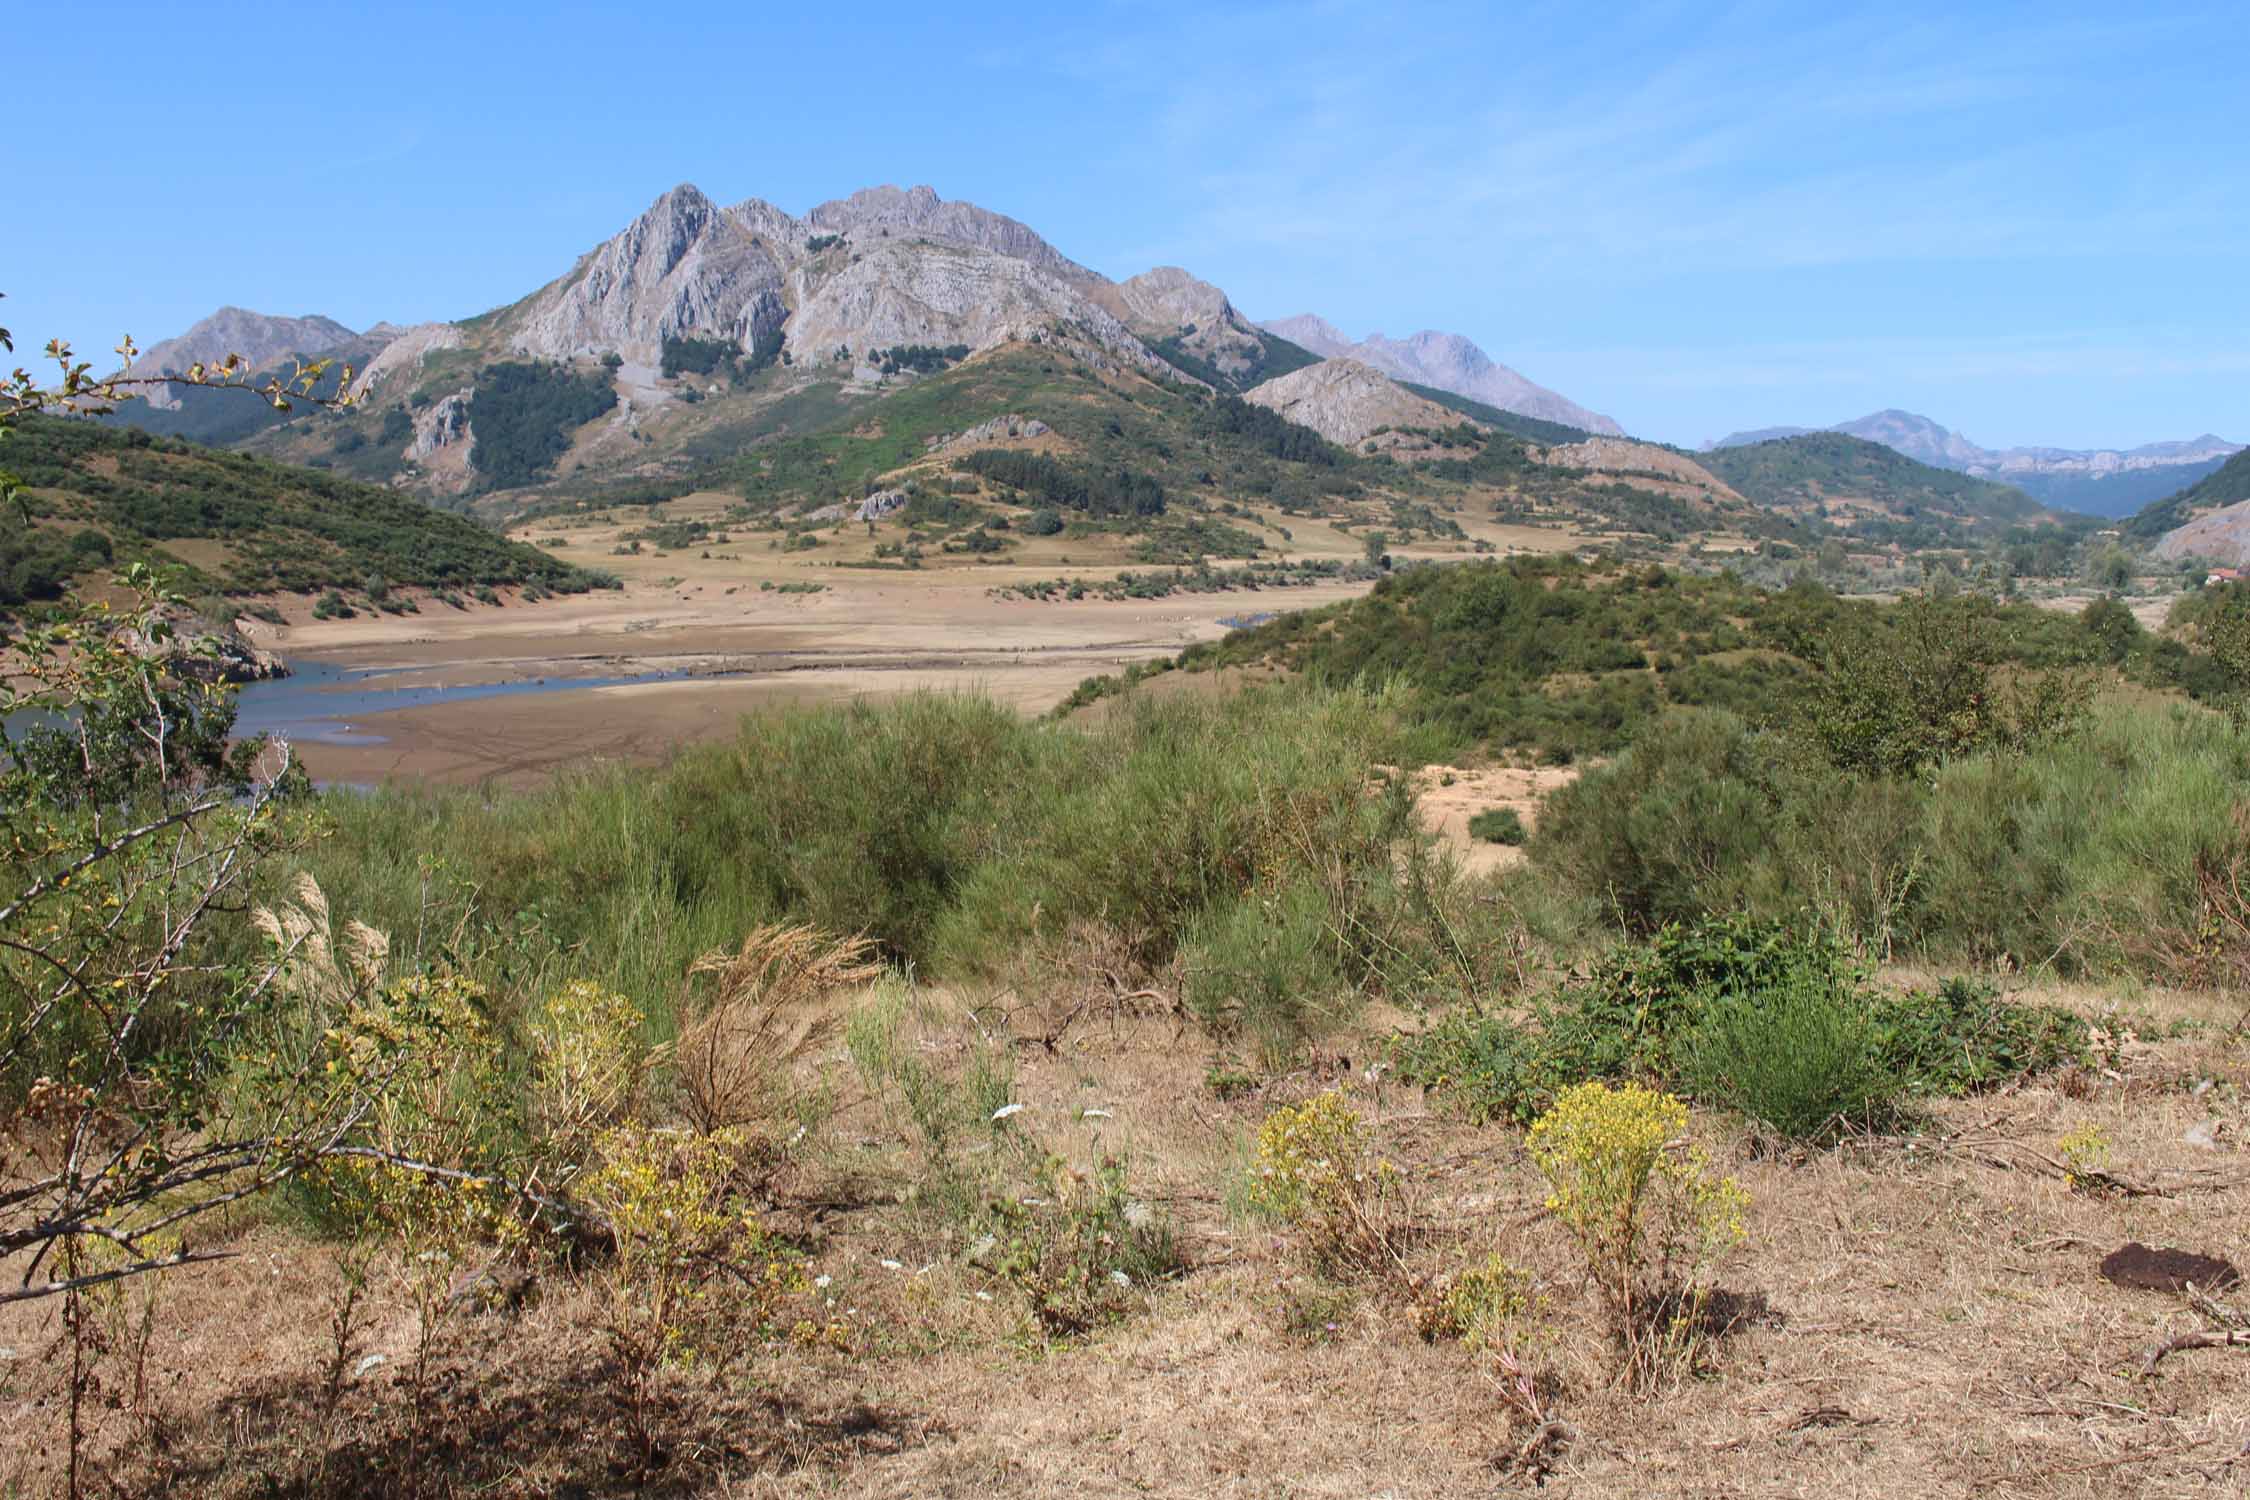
(1921,1316)
(759,1017)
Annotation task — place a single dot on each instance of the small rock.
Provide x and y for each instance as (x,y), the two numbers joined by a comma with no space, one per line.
(369,1363)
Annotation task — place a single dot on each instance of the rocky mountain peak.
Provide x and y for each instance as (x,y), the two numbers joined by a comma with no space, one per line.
(1169,293)
(1314,334)
(765,221)
(1448,361)
(889,211)
(261,338)
(684,266)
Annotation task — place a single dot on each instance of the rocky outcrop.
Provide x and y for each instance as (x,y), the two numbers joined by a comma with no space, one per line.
(205,651)
(408,350)
(440,425)
(1351,404)
(873,508)
(1447,361)
(443,445)
(1624,457)
(781,234)
(997,430)
(684,267)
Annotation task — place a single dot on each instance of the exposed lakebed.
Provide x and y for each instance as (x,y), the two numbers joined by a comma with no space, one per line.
(321,703)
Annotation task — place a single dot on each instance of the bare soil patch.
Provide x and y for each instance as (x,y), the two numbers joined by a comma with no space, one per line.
(1450,796)
(1925,1315)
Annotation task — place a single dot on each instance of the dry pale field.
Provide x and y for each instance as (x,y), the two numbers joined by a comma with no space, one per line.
(866,632)
(1911,1317)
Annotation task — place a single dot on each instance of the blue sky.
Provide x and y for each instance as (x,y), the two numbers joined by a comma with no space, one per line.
(2026,221)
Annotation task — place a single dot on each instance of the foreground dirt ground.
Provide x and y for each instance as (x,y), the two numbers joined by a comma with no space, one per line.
(1921,1316)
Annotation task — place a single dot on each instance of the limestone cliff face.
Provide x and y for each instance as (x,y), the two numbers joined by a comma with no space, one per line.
(1346,402)
(1447,361)
(901,292)
(406,353)
(880,213)
(910,268)
(444,444)
(685,267)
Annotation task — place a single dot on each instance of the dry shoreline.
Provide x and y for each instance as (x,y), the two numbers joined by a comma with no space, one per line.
(855,640)
(741,630)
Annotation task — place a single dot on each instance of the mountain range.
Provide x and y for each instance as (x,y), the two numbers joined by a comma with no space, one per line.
(885,268)
(880,328)
(2101,482)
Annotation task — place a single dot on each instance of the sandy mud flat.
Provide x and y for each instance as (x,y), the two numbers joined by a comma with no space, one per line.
(514,694)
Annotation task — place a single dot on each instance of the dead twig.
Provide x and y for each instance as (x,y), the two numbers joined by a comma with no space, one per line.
(2231,1338)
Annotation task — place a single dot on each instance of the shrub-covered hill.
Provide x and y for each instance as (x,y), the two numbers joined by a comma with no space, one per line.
(1563,658)
(2228,485)
(1536,429)
(226,522)
(1874,491)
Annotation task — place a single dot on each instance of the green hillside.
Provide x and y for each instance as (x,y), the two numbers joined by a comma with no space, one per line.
(1875,491)
(230,523)
(1536,429)
(2229,485)
(1120,453)
(1277,357)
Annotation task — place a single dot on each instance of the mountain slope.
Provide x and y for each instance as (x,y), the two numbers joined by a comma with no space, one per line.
(1666,467)
(1531,428)
(268,345)
(1859,484)
(2210,518)
(1447,361)
(1353,406)
(232,523)
(263,340)
(2105,481)
(1192,326)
